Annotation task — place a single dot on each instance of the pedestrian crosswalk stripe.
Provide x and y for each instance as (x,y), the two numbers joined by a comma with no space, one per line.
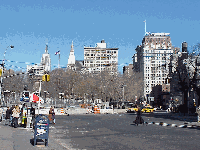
(165,124)
(174,125)
(182,126)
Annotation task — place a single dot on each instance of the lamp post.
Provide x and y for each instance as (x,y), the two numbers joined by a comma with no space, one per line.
(2,71)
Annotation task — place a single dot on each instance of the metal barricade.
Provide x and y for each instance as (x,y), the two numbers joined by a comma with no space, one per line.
(41,128)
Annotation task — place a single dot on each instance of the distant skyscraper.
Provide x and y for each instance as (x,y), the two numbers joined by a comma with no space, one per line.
(46,60)
(71,59)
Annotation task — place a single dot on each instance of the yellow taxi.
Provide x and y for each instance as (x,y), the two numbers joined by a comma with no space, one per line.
(147,109)
(132,110)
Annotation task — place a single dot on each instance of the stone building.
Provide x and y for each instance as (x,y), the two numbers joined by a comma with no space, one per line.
(152,58)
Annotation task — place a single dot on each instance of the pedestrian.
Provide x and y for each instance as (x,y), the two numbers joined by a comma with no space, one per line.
(15,114)
(139,119)
(32,112)
(11,115)
(53,116)
(50,114)
(8,113)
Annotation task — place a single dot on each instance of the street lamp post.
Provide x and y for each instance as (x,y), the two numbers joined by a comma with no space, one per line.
(2,71)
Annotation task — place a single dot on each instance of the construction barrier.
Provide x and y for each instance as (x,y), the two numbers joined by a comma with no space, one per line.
(98,111)
(95,109)
(62,111)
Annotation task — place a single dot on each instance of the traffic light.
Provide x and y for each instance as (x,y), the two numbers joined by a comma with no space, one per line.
(46,77)
(1,70)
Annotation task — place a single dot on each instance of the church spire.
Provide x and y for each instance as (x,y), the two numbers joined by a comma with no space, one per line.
(72,47)
(46,49)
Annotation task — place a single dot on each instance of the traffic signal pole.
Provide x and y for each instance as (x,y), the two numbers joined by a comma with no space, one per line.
(40,87)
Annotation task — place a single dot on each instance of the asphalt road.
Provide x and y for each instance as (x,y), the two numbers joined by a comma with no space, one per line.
(116,131)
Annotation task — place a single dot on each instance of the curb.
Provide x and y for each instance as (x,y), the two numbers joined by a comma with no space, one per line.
(185,125)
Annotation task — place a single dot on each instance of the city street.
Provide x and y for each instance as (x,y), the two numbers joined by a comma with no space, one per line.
(116,131)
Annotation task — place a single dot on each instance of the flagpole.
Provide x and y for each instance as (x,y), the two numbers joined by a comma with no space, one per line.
(59,60)
(145,27)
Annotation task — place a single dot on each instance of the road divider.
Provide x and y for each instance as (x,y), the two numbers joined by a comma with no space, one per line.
(185,125)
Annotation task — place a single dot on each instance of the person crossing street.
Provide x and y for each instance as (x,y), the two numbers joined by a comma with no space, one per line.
(139,119)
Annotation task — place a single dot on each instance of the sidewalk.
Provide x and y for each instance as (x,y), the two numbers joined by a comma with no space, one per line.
(21,138)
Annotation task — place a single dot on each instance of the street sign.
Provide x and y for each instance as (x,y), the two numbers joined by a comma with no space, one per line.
(151,99)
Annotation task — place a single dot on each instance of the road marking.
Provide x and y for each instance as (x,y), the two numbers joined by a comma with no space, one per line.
(165,124)
(182,126)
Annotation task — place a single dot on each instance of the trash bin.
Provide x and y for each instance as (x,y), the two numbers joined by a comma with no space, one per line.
(41,130)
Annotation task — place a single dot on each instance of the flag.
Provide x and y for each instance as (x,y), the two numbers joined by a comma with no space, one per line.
(34,98)
(58,52)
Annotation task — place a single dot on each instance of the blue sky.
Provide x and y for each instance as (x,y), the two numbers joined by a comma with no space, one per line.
(29,25)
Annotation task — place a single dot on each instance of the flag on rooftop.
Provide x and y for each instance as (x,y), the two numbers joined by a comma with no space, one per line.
(58,52)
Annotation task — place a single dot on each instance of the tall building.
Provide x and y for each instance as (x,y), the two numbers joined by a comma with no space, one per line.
(43,67)
(152,59)
(71,59)
(128,70)
(99,58)
(46,60)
